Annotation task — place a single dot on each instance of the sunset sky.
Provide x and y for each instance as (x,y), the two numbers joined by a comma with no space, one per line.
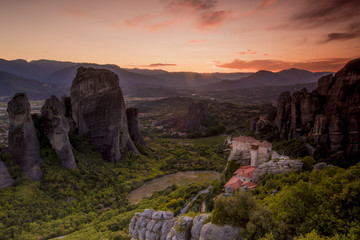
(184,35)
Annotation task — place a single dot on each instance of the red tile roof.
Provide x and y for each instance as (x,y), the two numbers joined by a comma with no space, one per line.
(245,171)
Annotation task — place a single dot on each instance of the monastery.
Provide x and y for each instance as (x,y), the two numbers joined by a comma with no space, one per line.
(250,153)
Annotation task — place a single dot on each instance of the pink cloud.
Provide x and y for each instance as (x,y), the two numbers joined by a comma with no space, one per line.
(248,52)
(328,64)
(162,25)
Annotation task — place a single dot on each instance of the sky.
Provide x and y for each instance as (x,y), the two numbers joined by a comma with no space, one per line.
(184,35)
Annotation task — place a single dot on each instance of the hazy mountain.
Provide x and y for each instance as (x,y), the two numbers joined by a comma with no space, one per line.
(189,79)
(11,84)
(267,78)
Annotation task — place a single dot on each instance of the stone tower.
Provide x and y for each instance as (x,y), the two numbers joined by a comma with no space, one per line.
(254,155)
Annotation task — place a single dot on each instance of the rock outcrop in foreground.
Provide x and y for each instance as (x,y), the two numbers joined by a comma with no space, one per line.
(98,110)
(151,225)
(330,114)
(56,130)
(23,141)
(5,177)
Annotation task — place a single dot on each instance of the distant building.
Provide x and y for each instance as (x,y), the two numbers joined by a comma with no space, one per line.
(250,151)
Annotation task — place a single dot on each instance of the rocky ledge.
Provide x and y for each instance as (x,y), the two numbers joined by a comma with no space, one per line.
(151,225)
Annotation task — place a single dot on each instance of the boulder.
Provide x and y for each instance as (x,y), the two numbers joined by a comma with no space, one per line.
(181,229)
(56,130)
(276,167)
(214,232)
(23,141)
(321,166)
(198,223)
(133,126)
(98,110)
(5,177)
(151,225)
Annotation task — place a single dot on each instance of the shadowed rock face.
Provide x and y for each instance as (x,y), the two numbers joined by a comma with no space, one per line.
(195,117)
(23,142)
(133,126)
(5,177)
(98,110)
(56,129)
(330,114)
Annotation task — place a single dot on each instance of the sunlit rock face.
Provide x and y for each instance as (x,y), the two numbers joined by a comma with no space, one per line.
(23,141)
(330,114)
(98,110)
(57,127)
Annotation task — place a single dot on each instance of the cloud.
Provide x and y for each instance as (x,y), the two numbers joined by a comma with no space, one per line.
(213,19)
(153,65)
(248,52)
(328,64)
(353,32)
(162,25)
(207,16)
(320,12)
(197,41)
(260,7)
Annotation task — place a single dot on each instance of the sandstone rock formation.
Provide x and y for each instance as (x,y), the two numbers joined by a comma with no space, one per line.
(276,167)
(195,118)
(181,229)
(151,225)
(330,114)
(5,177)
(23,141)
(56,130)
(133,126)
(98,110)
(198,224)
(213,232)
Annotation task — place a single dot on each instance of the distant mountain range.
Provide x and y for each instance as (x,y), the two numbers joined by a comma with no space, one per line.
(43,78)
(266,78)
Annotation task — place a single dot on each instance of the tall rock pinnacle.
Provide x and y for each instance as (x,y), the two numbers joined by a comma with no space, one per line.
(23,141)
(98,110)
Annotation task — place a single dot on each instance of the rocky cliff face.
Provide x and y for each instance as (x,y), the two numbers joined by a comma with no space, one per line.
(133,126)
(330,114)
(5,177)
(151,225)
(276,167)
(23,141)
(98,110)
(57,128)
(195,117)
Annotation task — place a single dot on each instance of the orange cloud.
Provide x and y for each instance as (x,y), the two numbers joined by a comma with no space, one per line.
(248,52)
(329,64)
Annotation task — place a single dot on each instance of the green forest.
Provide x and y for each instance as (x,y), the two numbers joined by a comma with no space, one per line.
(91,201)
